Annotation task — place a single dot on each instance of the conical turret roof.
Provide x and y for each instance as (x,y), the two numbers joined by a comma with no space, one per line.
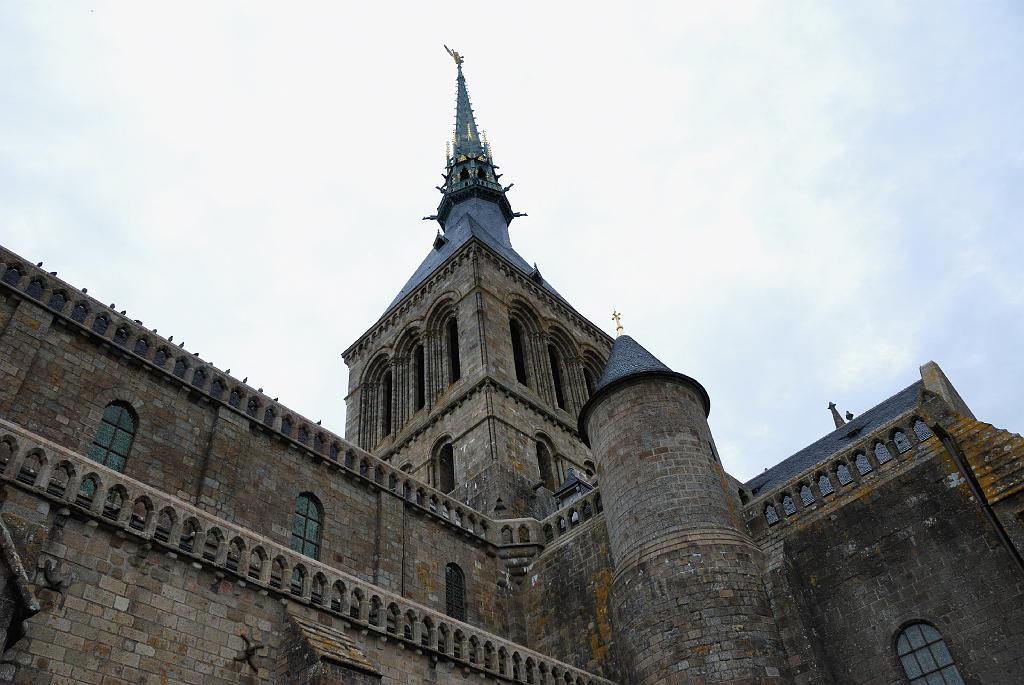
(628,358)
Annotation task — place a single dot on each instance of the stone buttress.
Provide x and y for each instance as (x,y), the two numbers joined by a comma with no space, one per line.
(687,599)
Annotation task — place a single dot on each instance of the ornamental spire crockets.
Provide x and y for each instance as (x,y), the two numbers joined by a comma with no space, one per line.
(467,139)
(469,170)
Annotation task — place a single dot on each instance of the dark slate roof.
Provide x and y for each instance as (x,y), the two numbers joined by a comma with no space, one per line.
(473,218)
(837,440)
(628,358)
(570,483)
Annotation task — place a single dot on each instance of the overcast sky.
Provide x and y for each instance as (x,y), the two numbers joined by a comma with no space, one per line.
(793,202)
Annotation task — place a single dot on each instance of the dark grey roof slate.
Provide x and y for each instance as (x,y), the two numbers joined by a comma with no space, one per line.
(837,440)
(628,357)
(473,218)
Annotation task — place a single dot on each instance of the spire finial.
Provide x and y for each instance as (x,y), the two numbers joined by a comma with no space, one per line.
(835,415)
(617,318)
(455,56)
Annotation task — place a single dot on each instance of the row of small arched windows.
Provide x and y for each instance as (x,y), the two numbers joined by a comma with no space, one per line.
(842,473)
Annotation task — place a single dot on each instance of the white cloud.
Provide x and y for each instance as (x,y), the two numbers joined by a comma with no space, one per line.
(794,203)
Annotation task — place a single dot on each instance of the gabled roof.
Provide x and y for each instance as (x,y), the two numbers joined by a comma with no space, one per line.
(838,440)
(332,644)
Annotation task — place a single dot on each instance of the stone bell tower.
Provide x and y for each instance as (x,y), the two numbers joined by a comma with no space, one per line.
(473,377)
(687,599)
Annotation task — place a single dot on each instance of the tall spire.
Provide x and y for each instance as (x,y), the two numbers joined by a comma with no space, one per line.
(469,170)
(467,138)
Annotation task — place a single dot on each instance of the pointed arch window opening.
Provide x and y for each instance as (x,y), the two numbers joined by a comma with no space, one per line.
(446,468)
(546,467)
(556,376)
(454,360)
(419,361)
(385,409)
(115,436)
(518,351)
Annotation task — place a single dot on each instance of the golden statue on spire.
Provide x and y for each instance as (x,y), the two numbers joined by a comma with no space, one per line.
(455,56)
(617,318)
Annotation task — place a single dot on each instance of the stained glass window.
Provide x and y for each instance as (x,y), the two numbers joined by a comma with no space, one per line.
(843,474)
(306,526)
(926,659)
(902,441)
(921,430)
(114,436)
(771,515)
(825,485)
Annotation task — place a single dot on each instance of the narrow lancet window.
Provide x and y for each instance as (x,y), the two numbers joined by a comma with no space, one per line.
(518,356)
(453,350)
(385,399)
(556,376)
(455,592)
(446,469)
(421,377)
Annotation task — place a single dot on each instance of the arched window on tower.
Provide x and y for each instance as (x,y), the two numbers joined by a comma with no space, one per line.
(385,400)
(556,376)
(419,362)
(114,436)
(518,351)
(446,468)
(588,380)
(309,516)
(547,471)
(455,592)
(925,658)
(453,350)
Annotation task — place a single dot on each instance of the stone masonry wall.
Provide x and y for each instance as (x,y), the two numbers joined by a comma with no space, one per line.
(919,548)
(565,598)
(122,605)
(231,464)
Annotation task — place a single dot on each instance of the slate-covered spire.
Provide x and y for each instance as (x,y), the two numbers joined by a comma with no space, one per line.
(467,138)
(469,170)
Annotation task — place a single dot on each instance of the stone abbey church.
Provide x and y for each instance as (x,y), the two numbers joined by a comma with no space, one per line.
(518,498)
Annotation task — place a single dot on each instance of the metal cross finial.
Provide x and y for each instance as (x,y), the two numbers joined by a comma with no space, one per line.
(455,56)
(617,318)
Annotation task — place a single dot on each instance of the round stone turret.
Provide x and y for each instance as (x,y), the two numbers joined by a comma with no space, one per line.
(687,601)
